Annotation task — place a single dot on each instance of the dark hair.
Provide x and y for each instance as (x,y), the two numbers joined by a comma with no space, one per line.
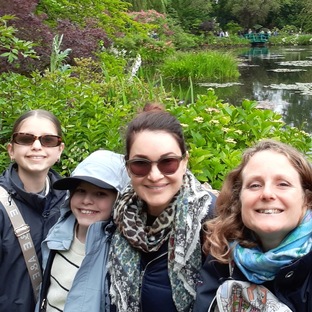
(38,113)
(154,118)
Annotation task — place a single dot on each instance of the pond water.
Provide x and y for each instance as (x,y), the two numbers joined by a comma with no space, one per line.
(278,78)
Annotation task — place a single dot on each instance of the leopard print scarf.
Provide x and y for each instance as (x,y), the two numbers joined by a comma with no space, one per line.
(179,223)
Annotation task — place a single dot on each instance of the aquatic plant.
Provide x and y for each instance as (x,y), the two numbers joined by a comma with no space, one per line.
(200,66)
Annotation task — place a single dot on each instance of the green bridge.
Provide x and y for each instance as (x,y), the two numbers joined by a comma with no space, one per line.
(257,38)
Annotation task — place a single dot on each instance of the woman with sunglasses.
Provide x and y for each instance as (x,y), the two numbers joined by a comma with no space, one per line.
(156,250)
(36,145)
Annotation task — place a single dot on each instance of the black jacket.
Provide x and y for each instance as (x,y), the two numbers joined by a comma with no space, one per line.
(40,213)
(156,290)
(292,285)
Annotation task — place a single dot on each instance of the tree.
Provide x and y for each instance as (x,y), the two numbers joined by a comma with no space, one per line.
(191,13)
(305,16)
(251,12)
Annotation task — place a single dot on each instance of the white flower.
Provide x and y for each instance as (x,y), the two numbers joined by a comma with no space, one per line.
(199,119)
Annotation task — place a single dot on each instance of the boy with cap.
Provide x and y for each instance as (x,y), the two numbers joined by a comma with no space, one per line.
(76,248)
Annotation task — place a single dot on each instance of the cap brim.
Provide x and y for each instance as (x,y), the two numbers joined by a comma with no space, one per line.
(72,182)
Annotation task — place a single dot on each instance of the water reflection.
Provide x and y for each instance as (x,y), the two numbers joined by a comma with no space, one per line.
(273,76)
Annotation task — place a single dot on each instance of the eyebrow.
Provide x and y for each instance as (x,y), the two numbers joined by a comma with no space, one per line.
(161,156)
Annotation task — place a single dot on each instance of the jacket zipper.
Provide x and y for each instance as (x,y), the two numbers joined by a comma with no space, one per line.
(143,273)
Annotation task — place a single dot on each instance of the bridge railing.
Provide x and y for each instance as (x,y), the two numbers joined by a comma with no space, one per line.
(257,37)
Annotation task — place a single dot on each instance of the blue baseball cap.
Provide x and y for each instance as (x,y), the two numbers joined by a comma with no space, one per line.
(102,168)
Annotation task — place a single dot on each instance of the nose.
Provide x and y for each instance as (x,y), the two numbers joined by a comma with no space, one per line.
(87,199)
(154,174)
(36,144)
(267,192)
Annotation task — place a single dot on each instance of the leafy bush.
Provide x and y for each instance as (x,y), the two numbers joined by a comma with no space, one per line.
(93,114)
(12,47)
(217,134)
(284,39)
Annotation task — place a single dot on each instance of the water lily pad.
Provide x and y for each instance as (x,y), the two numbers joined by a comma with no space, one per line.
(294,49)
(247,65)
(287,70)
(302,88)
(272,57)
(296,63)
(219,85)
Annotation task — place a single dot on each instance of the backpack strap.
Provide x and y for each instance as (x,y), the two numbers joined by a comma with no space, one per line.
(22,232)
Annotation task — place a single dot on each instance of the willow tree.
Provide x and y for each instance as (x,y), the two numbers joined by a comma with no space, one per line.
(251,12)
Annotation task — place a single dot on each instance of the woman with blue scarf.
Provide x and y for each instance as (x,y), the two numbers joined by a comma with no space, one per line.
(262,235)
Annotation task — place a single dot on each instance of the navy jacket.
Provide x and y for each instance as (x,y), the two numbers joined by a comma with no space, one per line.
(292,285)
(40,213)
(156,291)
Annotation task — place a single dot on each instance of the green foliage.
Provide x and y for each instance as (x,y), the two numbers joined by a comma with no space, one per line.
(217,134)
(12,46)
(110,14)
(233,28)
(231,41)
(200,66)
(251,12)
(94,111)
(93,114)
(57,56)
(190,13)
(112,64)
(286,39)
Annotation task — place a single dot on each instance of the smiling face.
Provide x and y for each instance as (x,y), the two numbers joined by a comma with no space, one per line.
(35,158)
(272,198)
(156,189)
(90,203)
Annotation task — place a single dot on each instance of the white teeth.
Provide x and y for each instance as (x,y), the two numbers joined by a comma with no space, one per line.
(157,187)
(87,211)
(269,211)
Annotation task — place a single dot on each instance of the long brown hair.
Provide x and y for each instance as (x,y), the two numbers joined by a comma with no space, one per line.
(228,225)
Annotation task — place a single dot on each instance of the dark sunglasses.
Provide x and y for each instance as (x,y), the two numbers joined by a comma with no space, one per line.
(47,140)
(141,167)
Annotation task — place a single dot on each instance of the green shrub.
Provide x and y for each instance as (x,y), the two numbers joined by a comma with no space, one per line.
(11,46)
(93,114)
(286,39)
(217,134)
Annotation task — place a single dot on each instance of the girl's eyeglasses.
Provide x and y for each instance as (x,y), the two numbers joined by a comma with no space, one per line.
(47,140)
(141,167)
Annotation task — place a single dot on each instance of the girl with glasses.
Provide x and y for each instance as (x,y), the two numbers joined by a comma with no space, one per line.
(36,145)
(156,250)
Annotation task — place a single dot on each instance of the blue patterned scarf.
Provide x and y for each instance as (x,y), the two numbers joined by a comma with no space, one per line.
(259,266)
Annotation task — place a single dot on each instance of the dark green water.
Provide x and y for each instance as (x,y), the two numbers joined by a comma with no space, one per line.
(278,78)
